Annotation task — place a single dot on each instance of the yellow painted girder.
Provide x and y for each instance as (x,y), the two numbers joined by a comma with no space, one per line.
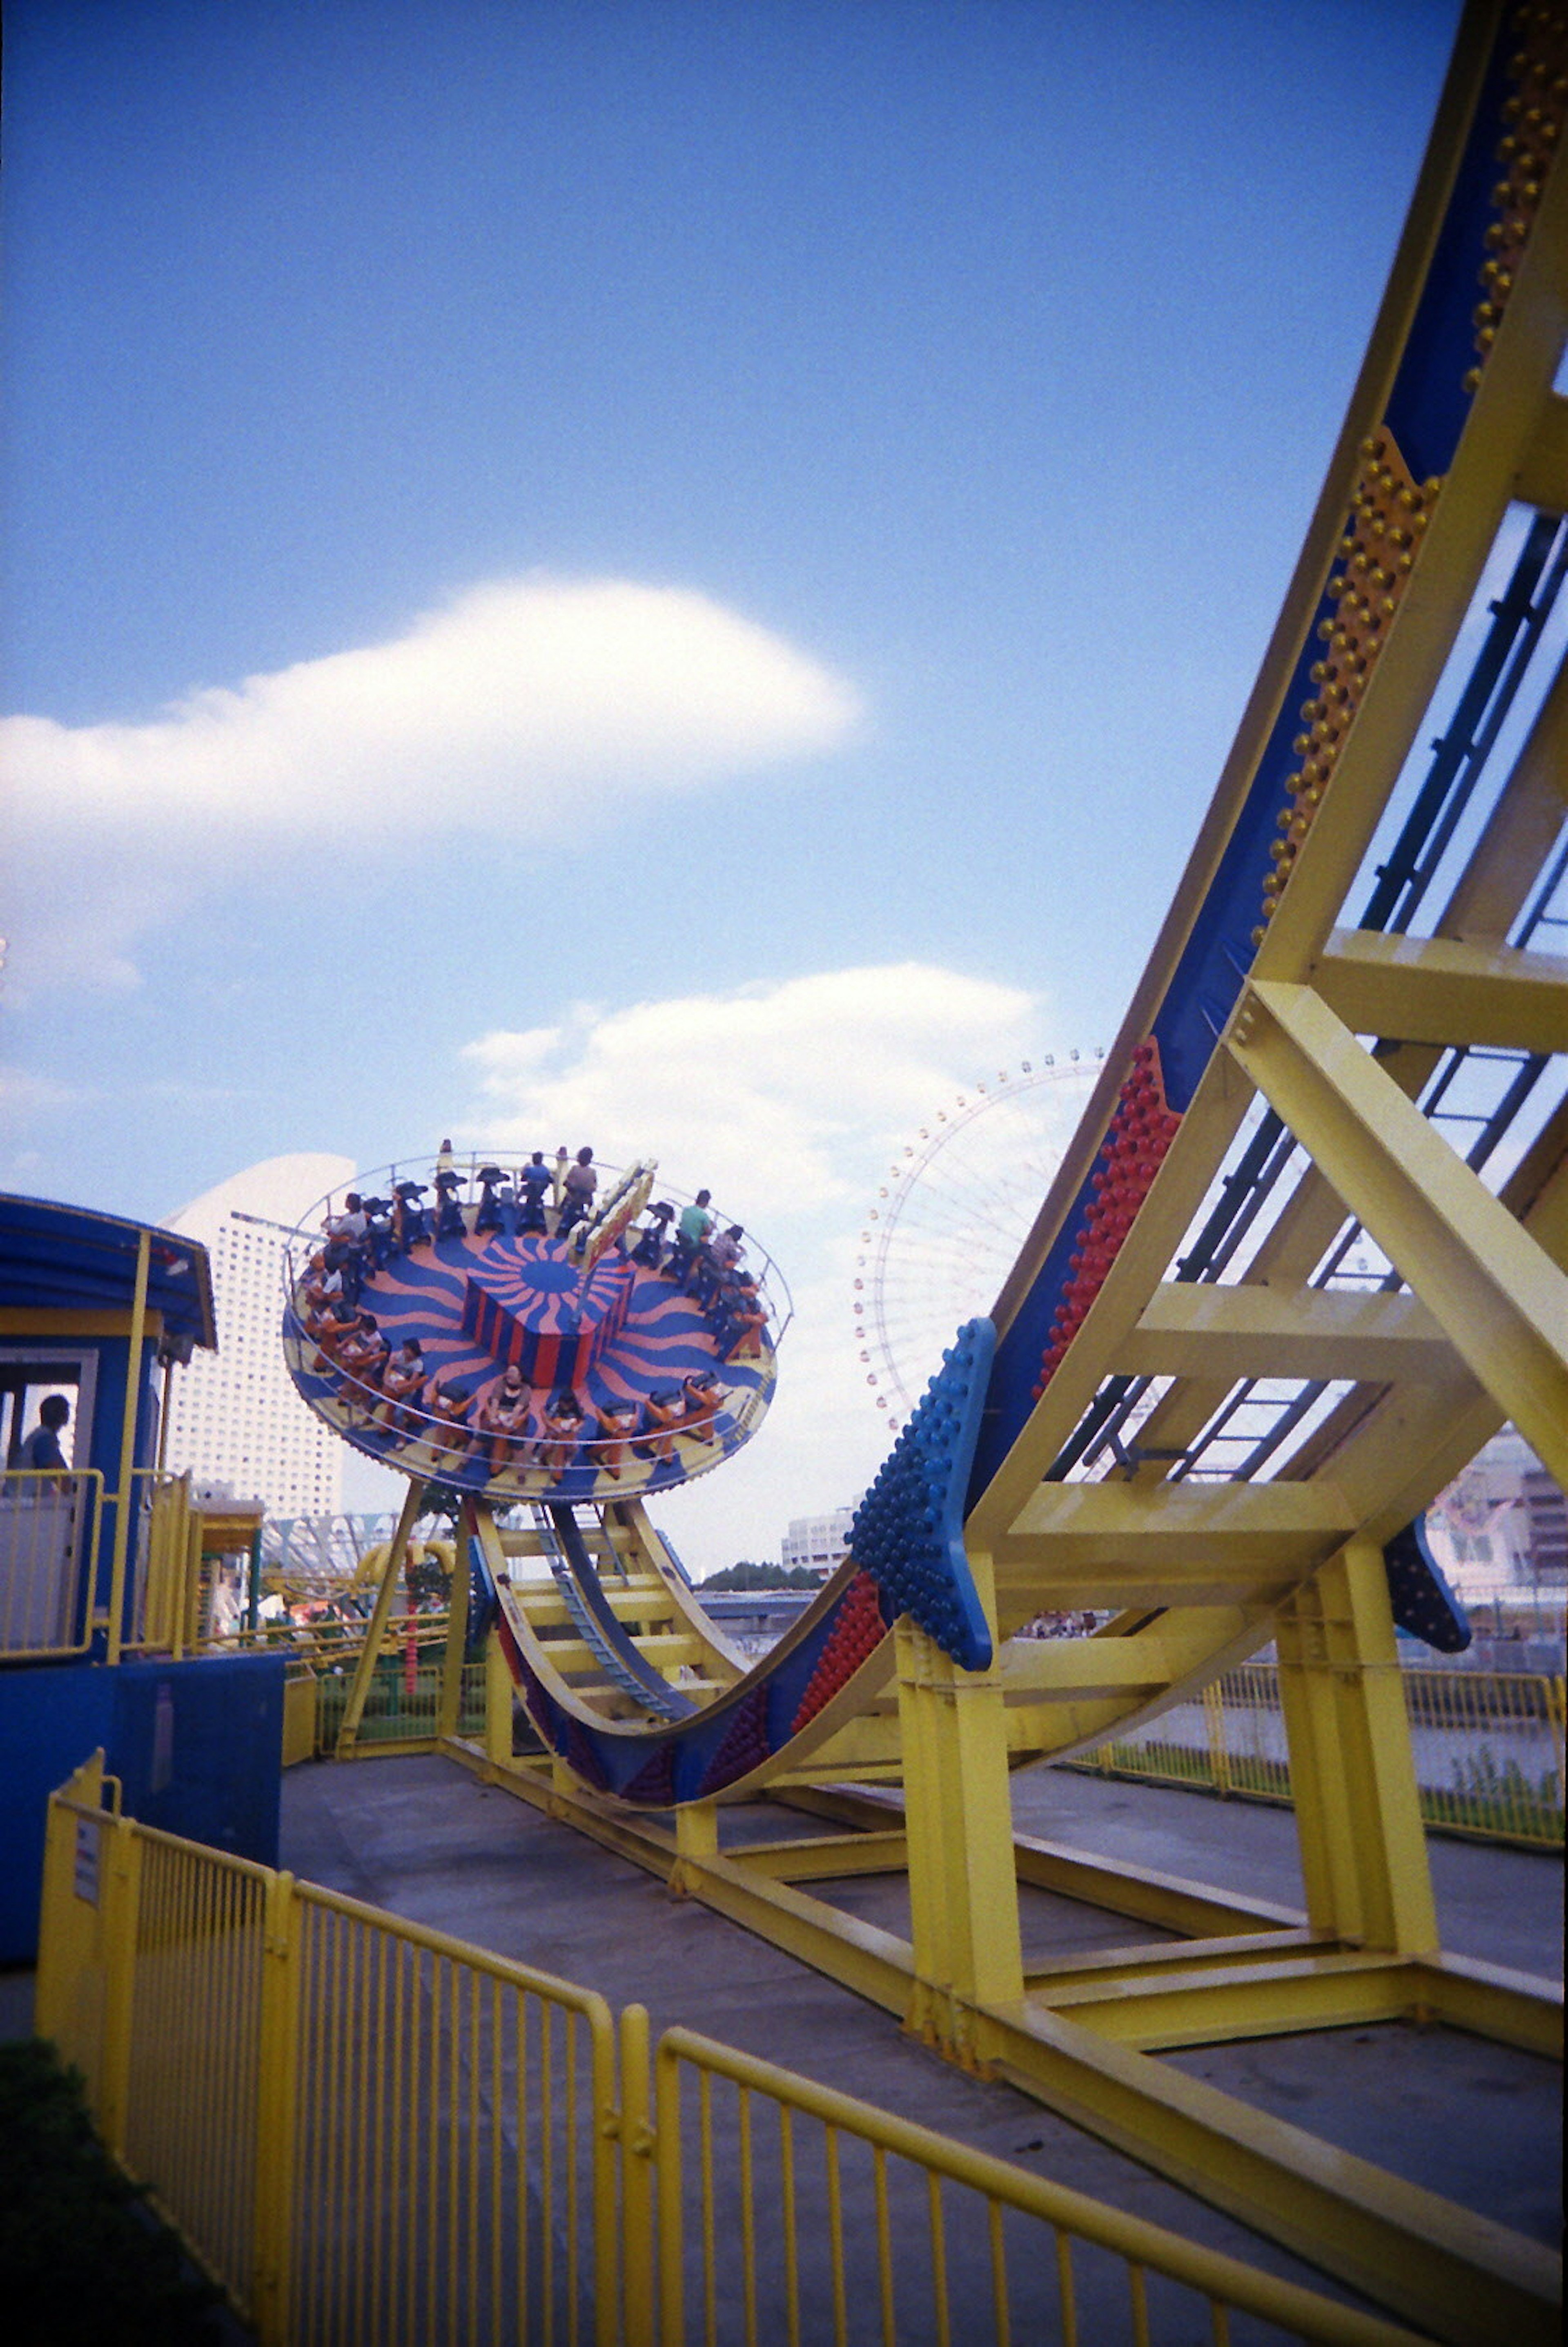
(1500,1299)
(1193,1328)
(1542,478)
(1444,991)
(1058,1670)
(1283,1525)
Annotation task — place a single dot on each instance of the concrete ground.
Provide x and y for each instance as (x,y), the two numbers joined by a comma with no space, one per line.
(1477,2123)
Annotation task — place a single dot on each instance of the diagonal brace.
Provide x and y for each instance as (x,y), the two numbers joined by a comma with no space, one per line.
(1500,1296)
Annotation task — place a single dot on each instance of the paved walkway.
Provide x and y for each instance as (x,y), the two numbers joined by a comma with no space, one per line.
(1478,2123)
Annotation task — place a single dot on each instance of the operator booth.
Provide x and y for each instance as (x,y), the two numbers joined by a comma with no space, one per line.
(101,1554)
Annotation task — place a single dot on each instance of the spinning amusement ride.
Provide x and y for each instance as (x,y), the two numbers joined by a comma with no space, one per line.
(1302,1255)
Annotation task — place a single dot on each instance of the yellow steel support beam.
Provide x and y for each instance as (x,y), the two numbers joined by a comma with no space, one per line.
(1440,991)
(1270,1527)
(380,1615)
(1194,1328)
(1499,1298)
(450,1708)
(1352,1772)
(1461,2276)
(963,1889)
(1541,478)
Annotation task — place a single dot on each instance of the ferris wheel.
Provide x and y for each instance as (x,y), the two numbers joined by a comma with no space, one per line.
(947,1223)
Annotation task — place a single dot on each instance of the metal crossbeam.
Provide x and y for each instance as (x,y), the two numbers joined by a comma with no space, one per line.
(1189,1330)
(1438,990)
(1501,1300)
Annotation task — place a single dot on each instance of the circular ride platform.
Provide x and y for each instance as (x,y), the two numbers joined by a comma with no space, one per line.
(668,1380)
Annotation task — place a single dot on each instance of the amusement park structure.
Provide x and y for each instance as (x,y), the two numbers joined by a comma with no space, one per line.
(1303,1256)
(1304,1253)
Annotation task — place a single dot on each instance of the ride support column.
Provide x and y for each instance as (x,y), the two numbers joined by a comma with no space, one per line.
(958,1817)
(1352,1769)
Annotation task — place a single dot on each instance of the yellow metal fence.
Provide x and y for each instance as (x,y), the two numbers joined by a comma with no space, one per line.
(1488,1746)
(371,2134)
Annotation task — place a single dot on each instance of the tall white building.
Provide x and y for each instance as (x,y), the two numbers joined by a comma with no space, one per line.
(235,1419)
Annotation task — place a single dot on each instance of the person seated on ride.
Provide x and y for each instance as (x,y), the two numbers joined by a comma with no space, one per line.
(563,1427)
(448,1405)
(363,1355)
(692,1229)
(717,1261)
(745,1318)
(617,1424)
(412,1222)
(321,1287)
(327,1324)
(449,1222)
(489,1216)
(346,1249)
(534,1180)
(702,1398)
(663,1411)
(648,1251)
(505,1419)
(401,1381)
(578,1186)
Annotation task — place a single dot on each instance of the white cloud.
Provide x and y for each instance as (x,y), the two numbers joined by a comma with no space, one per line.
(552,703)
(785,1099)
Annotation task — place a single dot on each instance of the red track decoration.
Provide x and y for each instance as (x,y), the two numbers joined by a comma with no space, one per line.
(1139,1134)
(858,1631)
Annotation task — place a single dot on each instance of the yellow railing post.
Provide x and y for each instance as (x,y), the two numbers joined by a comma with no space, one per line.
(670,2197)
(277,2090)
(637,2169)
(120,1895)
(125,1498)
(1213,1721)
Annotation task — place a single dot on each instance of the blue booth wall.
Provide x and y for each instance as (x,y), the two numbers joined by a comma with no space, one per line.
(197,1744)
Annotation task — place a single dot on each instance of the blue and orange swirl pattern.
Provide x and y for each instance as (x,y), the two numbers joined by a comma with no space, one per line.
(663,1338)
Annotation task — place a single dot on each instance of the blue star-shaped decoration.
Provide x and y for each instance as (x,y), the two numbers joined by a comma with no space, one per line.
(908,1532)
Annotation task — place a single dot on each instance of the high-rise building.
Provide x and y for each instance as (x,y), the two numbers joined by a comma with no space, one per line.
(235,1419)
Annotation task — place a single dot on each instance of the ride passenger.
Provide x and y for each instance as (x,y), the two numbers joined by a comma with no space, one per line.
(617,1423)
(448,1405)
(563,1429)
(579,1184)
(504,1418)
(362,1356)
(663,1411)
(702,1398)
(690,1232)
(401,1381)
(534,1180)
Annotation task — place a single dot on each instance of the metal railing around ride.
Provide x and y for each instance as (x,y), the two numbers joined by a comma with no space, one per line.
(1488,1746)
(368,2131)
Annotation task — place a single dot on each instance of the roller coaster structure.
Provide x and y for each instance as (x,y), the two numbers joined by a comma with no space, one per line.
(1188,1408)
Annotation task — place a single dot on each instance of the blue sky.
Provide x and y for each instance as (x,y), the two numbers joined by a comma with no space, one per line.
(682,570)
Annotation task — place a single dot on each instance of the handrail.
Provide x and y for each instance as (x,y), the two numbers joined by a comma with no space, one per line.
(399,2135)
(1225,2283)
